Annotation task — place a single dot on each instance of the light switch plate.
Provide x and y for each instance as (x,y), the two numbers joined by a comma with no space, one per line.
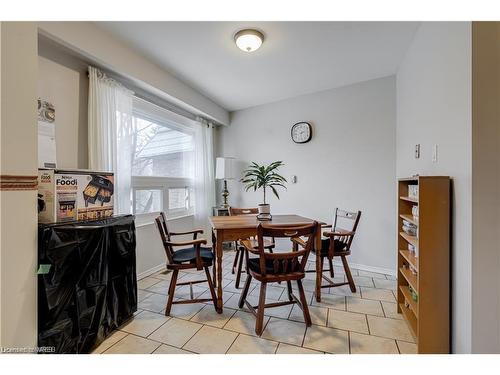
(417,151)
(435,154)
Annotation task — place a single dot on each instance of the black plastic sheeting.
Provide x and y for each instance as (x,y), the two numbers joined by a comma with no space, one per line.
(91,287)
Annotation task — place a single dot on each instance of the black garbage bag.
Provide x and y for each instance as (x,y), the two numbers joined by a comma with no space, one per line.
(90,287)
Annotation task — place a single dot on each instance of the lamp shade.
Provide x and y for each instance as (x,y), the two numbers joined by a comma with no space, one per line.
(224,168)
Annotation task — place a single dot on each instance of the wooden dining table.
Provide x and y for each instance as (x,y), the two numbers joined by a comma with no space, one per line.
(233,228)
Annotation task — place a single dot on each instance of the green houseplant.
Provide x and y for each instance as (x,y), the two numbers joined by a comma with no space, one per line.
(263,177)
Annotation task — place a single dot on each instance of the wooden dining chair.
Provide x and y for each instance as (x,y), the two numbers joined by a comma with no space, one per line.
(277,267)
(337,244)
(238,259)
(191,256)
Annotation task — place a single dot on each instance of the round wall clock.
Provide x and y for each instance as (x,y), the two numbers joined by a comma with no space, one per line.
(301,132)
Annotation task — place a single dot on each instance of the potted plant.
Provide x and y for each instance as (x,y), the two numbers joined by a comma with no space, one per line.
(262,176)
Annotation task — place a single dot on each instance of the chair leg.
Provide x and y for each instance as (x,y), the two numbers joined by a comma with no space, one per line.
(245,291)
(235,263)
(289,289)
(330,262)
(211,287)
(171,291)
(260,312)
(240,266)
(303,301)
(348,274)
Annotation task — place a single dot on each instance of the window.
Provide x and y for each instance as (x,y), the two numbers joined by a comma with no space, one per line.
(162,161)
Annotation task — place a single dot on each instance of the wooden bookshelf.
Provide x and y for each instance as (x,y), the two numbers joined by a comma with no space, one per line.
(427,317)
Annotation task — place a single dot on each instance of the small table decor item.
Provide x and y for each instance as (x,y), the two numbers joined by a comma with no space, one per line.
(262,177)
(224,171)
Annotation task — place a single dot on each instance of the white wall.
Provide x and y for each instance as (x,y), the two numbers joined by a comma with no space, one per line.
(18,154)
(434,107)
(97,45)
(67,89)
(349,163)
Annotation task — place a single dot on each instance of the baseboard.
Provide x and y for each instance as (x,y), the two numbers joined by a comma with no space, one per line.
(151,271)
(362,267)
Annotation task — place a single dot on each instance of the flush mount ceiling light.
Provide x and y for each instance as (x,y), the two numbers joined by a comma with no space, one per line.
(249,40)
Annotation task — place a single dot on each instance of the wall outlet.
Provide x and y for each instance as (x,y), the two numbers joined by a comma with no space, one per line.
(293,179)
(417,151)
(435,154)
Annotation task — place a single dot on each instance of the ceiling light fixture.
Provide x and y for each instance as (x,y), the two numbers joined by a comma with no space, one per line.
(249,40)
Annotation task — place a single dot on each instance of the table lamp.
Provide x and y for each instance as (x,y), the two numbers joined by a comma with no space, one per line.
(224,171)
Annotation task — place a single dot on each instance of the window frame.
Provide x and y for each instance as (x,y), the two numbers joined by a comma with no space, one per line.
(162,117)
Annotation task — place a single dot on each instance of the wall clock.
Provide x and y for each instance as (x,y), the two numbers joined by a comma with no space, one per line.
(301,132)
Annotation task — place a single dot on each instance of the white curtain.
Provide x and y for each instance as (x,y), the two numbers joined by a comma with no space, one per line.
(110,134)
(204,183)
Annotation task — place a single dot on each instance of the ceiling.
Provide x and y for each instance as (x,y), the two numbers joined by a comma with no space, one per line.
(296,58)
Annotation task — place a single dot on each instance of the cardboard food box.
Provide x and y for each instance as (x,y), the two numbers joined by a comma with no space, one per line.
(69,195)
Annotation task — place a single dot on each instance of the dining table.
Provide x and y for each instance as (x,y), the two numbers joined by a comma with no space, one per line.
(234,228)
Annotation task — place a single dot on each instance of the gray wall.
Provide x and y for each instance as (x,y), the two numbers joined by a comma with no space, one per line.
(349,163)
(434,107)
(485,188)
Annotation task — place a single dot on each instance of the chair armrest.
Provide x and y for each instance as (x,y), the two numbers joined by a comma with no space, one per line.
(338,233)
(250,246)
(298,241)
(195,243)
(188,232)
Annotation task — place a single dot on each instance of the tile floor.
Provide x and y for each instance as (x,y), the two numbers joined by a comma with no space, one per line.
(343,322)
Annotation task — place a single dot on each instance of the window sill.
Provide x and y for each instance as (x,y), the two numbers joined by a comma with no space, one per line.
(142,220)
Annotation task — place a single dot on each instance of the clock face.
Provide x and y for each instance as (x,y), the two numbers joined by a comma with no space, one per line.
(301,132)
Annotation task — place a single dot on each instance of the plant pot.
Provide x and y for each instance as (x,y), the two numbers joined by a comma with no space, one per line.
(265,209)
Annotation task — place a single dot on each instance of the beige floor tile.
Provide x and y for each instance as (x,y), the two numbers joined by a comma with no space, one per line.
(364,306)
(210,340)
(365,344)
(163,274)
(348,321)
(155,302)
(243,322)
(309,295)
(272,292)
(225,296)
(232,301)
(292,349)
(371,274)
(231,287)
(326,339)
(133,345)
(391,277)
(175,332)
(245,344)
(390,328)
(284,331)
(385,284)
(363,281)
(161,287)
(330,301)
(147,282)
(210,317)
(390,310)
(282,312)
(407,347)
(377,294)
(109,341)
(142,294)
(186,310)
(144,323)
(183,291)
(167,349)
(343,290)
(318,314)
